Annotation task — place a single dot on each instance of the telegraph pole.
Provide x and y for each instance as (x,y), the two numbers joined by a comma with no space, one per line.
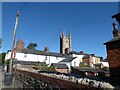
(13,42)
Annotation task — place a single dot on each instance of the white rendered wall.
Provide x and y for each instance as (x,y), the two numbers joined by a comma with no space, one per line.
(53,59)
(35,58)
(105,64)
(8,55)
(30,57)
(77,60)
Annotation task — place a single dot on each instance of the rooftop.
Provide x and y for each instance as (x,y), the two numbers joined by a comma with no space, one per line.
(89,69)
(59,66)
(68,59)
(77,53)
(113,40)
(40,52)
(24,62)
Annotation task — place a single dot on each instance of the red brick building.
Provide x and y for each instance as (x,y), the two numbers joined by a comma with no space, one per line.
(113,54)
(62,68)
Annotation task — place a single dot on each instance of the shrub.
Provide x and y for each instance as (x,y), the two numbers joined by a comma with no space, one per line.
(105,68)
(44,67)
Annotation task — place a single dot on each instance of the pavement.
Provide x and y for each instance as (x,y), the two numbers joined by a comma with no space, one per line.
(1,78)
(2,86)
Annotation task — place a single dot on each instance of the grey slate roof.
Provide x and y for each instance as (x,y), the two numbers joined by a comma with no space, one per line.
(68,59)
(90,69)
(88,55)
(77,53)
(24,62)
(39,52)
(112,40)
(59,66)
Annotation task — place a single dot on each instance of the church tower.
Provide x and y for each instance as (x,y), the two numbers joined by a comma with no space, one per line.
(65,43)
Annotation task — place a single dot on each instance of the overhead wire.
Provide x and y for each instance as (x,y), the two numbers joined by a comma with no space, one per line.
(23,6)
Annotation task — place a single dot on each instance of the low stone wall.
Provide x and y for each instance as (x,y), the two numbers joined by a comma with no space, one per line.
(25,79)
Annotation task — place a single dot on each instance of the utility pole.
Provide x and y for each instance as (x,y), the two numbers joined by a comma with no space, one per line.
(13,42)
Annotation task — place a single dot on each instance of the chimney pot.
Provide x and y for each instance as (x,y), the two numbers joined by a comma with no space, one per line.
(115,31)
(46,49)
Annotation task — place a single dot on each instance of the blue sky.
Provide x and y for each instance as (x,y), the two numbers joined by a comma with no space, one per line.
(89,23)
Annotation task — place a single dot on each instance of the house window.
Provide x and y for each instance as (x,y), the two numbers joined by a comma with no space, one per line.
(45,57)
(25,56)
(74,63)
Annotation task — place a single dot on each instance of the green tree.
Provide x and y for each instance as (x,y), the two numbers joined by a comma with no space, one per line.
(2,58)
(82,64)
(105,68)
(32,46)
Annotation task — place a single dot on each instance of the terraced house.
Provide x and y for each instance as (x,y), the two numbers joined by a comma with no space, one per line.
(66,55)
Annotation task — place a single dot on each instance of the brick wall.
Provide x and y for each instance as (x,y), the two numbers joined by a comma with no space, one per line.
(62,70)
(113,55)
(20,45)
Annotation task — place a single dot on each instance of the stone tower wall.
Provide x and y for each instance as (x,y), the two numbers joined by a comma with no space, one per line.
(65,44)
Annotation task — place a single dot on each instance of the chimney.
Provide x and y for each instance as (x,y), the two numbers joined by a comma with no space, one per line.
(113,55)
(115,31)
(46,49)
(19,45)
(93,54)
